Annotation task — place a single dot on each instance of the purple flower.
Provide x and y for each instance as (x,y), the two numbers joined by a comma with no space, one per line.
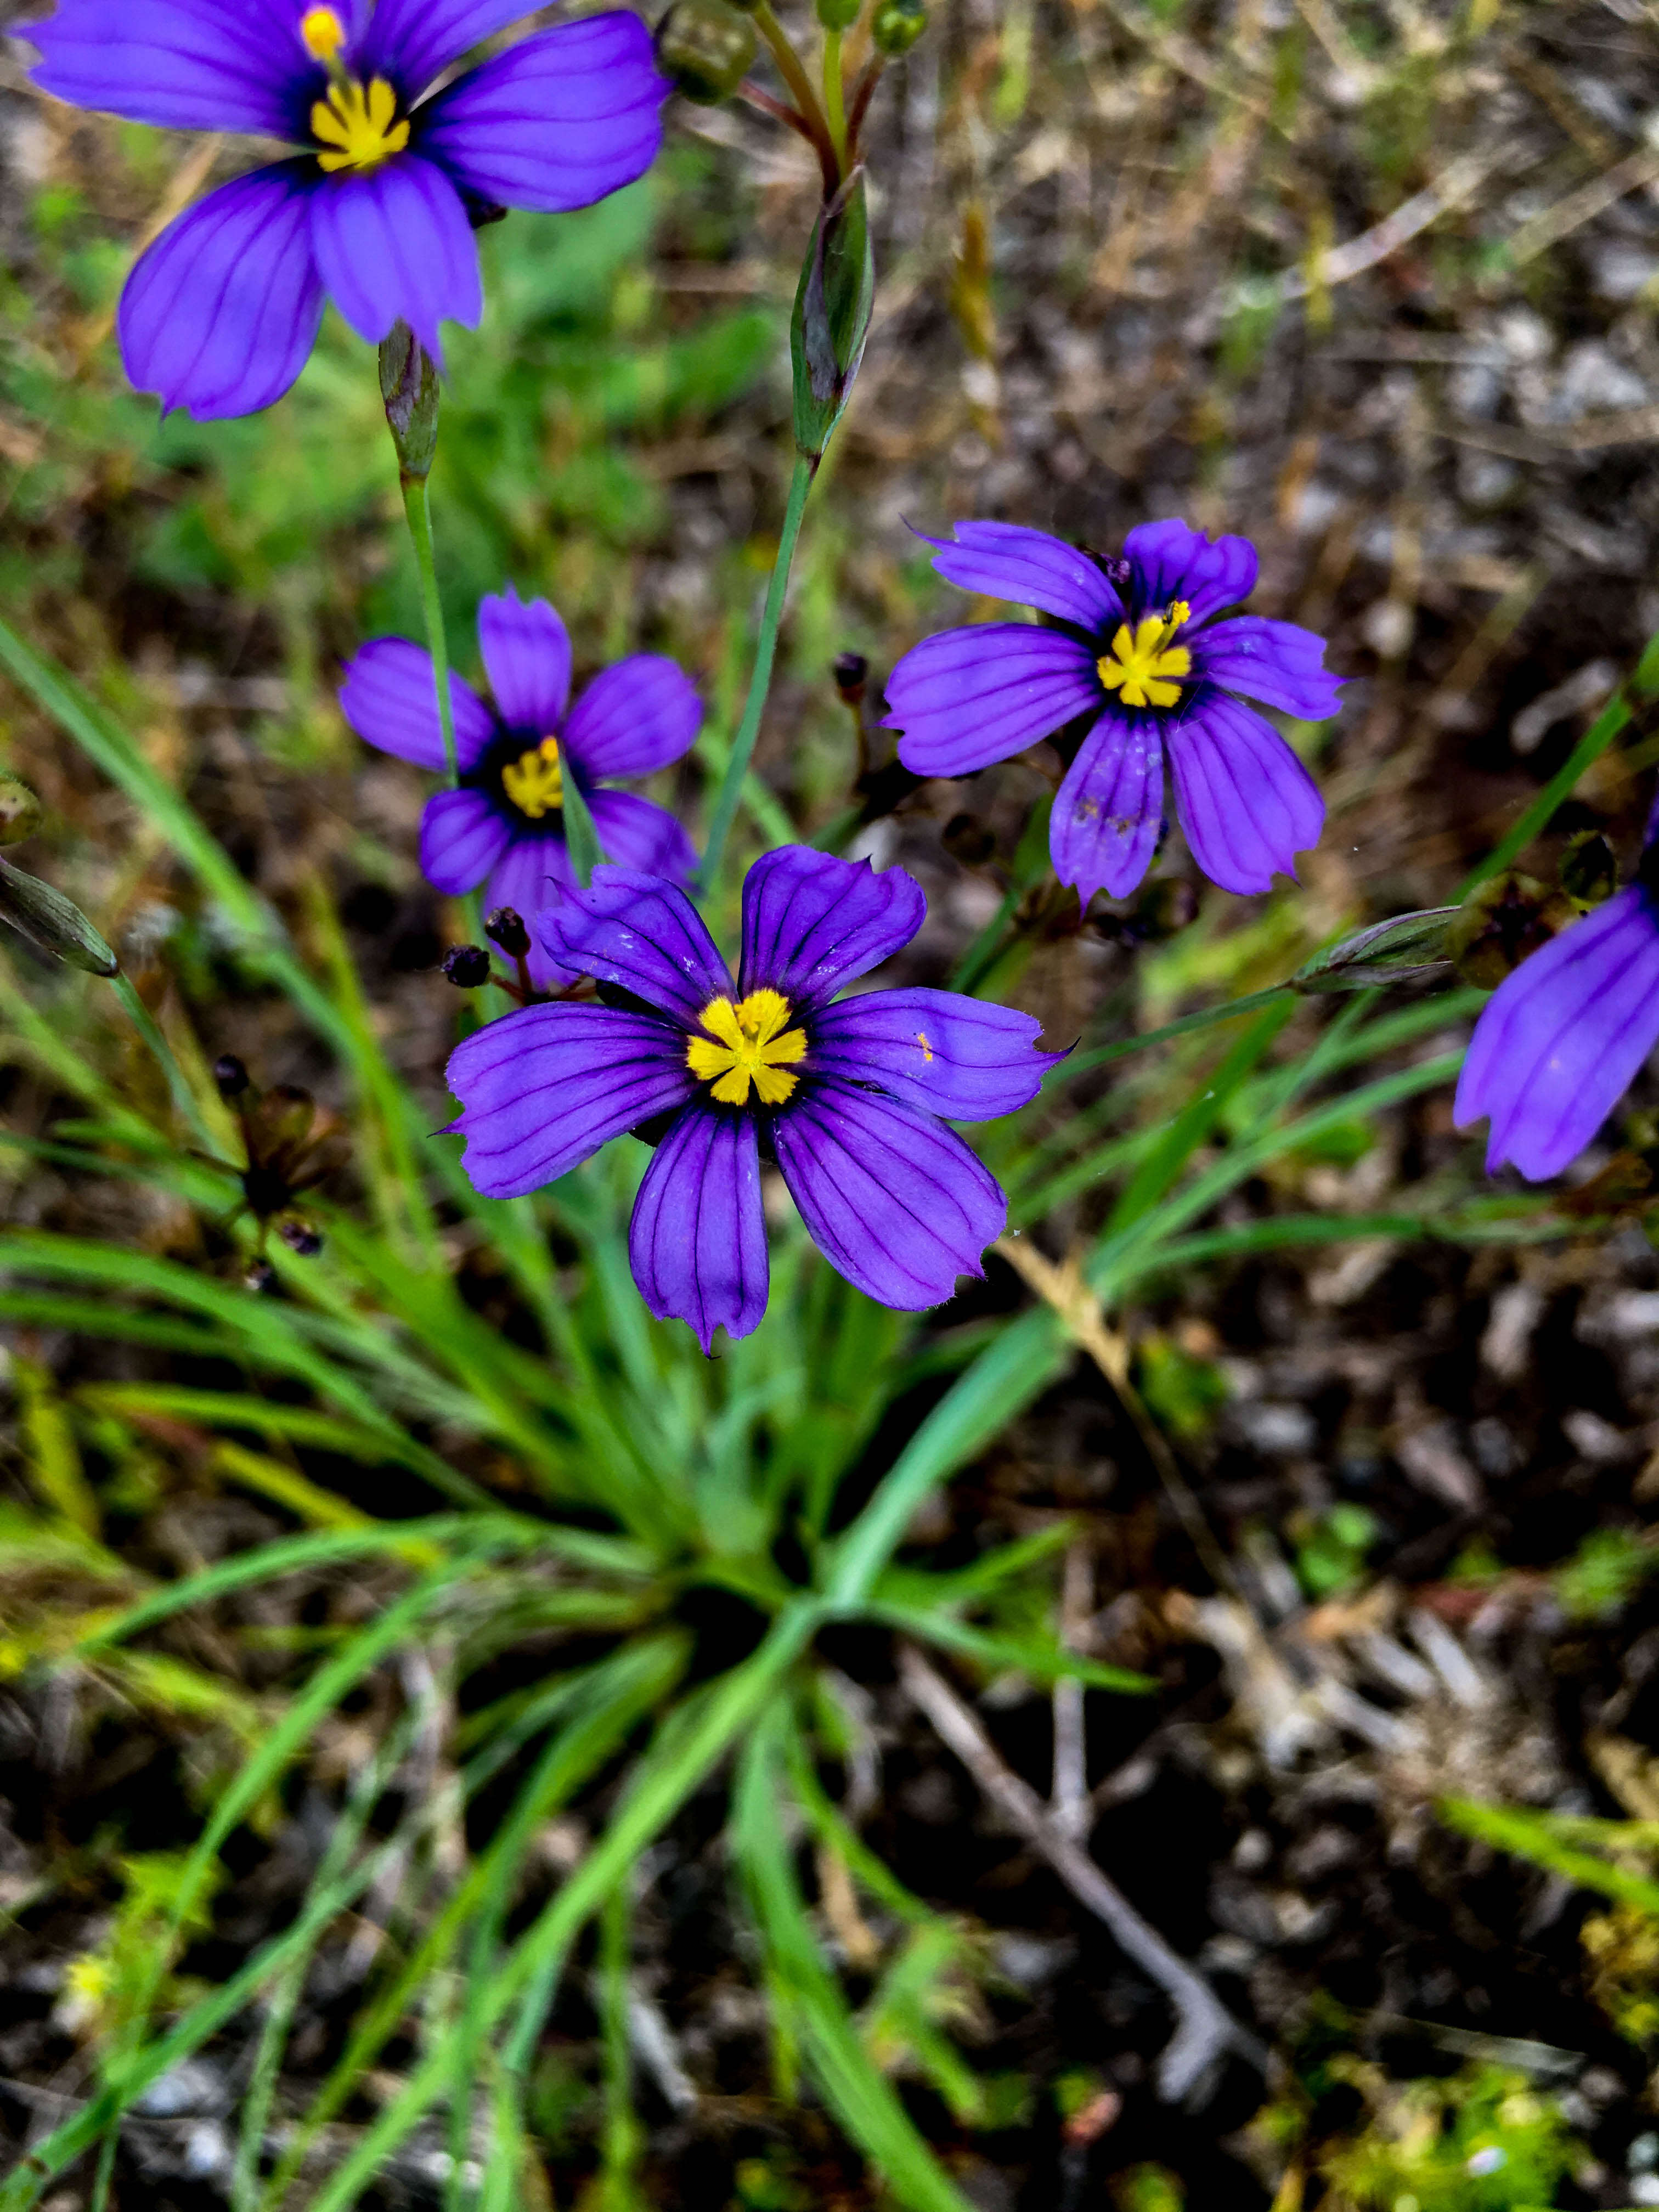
(220,313)
(846,1098)
(1561,1039)
(506,821)
(1135,645)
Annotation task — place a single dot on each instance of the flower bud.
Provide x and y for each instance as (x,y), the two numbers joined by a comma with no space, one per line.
(851,672)
(466,966)
(409,386)
(840,14)
(505,929)
(230,1075)
(300,1237)
(261,1277)
(896,24)
(831,320)
(705,48)
(55,924)
(966,838)
(1588,871)
(1397,951)
(1499,924)
(20,810)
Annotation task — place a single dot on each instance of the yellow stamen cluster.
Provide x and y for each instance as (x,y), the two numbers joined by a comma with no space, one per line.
(535,781)
(753,1047)
(1143,667)
(323,34)
(359,126)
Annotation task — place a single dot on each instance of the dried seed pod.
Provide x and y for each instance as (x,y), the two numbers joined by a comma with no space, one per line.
(1498,926)
(300,1237)
(852,673)
(705,48)
(506,930)
(1590,870)
(231,1076)
(466,966)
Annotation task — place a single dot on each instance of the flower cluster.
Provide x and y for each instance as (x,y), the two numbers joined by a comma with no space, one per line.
(377,213)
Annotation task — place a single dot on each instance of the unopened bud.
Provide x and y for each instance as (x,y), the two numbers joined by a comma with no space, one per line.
(466,966)
(705,48)
(409,386)
(261,1276)
(1397,951)
(55,924)
(1589,870)
(966,838)
(896,24)
(840,14)
(20,810)
(852,673)
(230,1075)
(300,1237)
(1498,926)
(505,929)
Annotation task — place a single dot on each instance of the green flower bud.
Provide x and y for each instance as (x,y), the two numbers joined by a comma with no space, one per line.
(896,24)
(706,46)
(409,386)
(55,924)
(839,15)
(1397,951)
(1588,871)
(831,321)
(20,810)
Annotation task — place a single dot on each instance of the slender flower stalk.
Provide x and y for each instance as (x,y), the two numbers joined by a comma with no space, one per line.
(178,1090)
(418,508)
(834,98)
(743,745)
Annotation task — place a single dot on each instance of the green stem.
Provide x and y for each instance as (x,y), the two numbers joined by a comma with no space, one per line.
(743,745)
(1080,1063)
(418,509)
(792,70)
(184,1099)
(834,97)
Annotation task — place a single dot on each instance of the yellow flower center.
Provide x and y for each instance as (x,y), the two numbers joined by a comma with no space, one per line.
(1143,667)
(750,1049)
(535,781)
(359,126)
(323,33)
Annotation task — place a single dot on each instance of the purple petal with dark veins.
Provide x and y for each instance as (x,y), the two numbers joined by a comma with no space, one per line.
(640,714)
(391,700)
(557,122)
(1246,804)
(462,838)
(527,656)
(637,833)
(697,1241)
(1173,563)
(410,41)
(1006,562)
(964,698)
(220,315)
(393,244)
(1278,662)
(1108,810)
(185,64)
(543,1088)
(642,934)
(892,1198)
(1561,1040)
(940,1051)
(811,922)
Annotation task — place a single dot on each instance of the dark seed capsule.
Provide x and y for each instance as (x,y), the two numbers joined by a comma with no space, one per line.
(851,672)
(506,929)
(1500,925)
(300,1237)
(230,1075)
(1590,870)
(967,839)
(260,1276)
(705,47)
(466,966)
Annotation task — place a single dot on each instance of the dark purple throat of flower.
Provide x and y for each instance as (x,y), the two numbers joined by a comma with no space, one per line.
(356,125)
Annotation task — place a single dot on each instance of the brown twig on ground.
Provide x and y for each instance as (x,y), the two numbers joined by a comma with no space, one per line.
(1205,2028)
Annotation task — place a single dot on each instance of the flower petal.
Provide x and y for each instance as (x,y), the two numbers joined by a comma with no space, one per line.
(697,1241)
(1278,662)
(940,1051)
(636,833)
(527,656)
(1008,562)
(641,934)
(557,121)
(964,698)
(1109,810)
(462,838)
(411,40)
(185,64)
(391,700)
(811,922)
(1561,1040)
(531,876)
(640,713)
(1246,804)
(1173,563)
(546,1086)
(893,1199)
(220,315)
(393,244)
